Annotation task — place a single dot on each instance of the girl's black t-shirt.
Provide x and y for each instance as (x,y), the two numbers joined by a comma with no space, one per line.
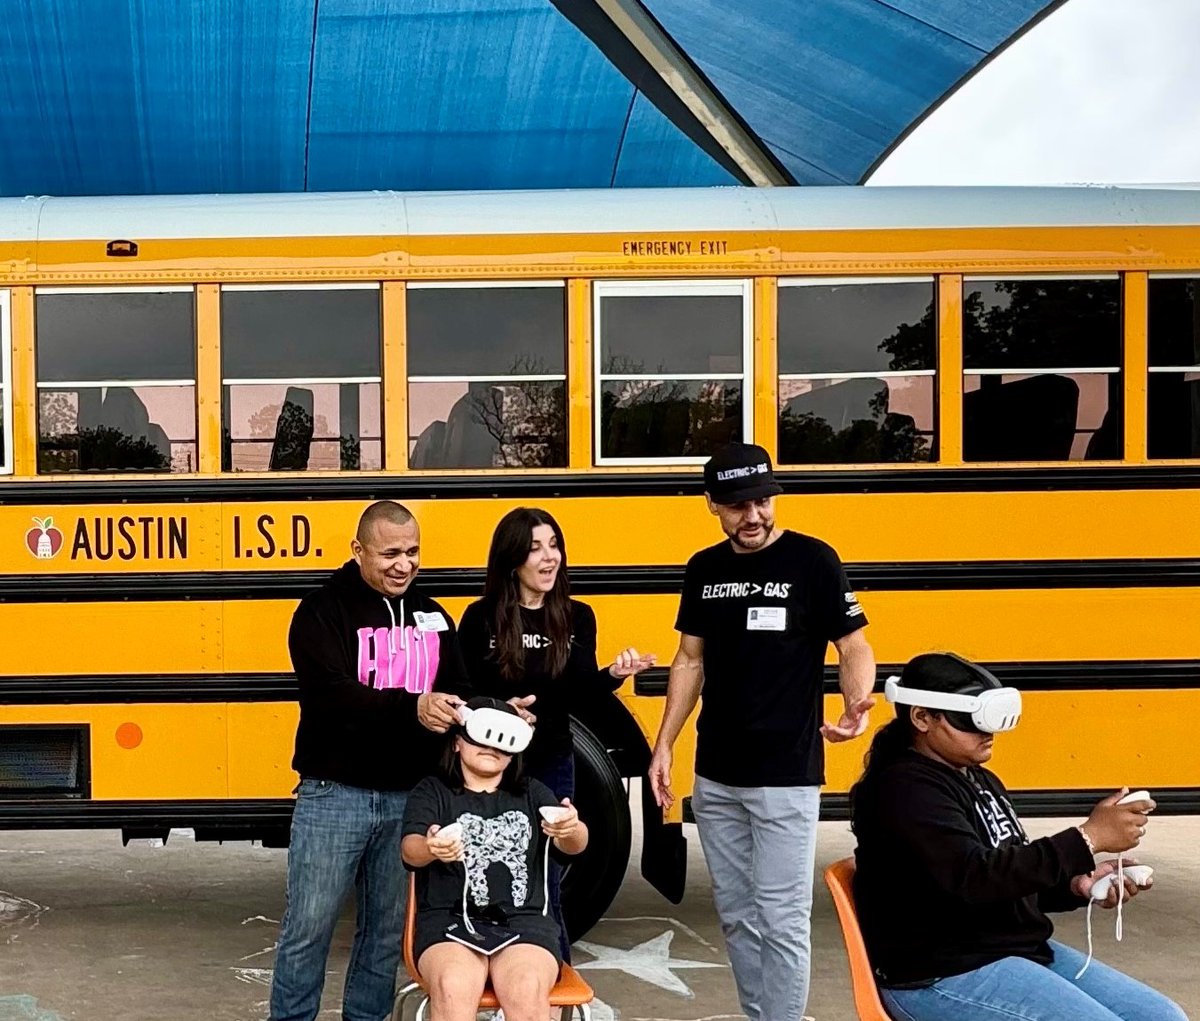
(557,696)
(504,851)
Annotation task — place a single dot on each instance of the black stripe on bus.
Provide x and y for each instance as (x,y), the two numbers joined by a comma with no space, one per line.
(232,818)
(60,491)
(1073,675)
(608,580)
(105,689)
(246,819)
(1035,804)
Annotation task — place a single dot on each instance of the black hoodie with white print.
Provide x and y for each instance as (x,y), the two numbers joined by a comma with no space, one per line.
(361,661)
(947,880)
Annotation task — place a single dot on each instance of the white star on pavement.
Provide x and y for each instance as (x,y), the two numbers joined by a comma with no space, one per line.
(650,961)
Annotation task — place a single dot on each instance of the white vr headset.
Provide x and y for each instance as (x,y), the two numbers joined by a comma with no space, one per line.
(992,711)
(495,728)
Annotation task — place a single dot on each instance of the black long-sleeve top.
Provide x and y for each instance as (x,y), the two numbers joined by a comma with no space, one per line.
(361,662)
(947,881)
(557,697)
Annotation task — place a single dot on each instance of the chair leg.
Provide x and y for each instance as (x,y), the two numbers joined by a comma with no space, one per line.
(422,1007)
(585,1011)
(402,996)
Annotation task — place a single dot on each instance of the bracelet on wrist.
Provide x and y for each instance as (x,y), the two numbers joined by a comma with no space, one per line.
(1087,840)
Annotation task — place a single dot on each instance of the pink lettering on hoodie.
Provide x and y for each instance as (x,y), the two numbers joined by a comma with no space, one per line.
(398,657)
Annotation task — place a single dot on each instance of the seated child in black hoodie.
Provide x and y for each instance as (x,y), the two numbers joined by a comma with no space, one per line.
(482,905)
(952,895)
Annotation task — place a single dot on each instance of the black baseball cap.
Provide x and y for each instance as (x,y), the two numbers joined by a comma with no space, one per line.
(740,471)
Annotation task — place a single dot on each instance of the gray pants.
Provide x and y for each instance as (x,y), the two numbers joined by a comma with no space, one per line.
(760,845)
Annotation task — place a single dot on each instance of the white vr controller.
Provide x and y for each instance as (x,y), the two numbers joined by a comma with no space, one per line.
(452,832)
(1140,874)
(554,813)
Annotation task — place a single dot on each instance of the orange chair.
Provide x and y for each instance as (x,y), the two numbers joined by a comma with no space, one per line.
(570,992)
(839,877)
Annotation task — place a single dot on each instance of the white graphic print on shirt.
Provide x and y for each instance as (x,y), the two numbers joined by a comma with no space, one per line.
(998,817)
(504,839)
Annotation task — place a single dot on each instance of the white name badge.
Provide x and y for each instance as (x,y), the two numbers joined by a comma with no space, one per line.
(766,618)
(430,621)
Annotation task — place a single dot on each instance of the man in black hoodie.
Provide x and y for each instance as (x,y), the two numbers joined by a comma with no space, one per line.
(380,676)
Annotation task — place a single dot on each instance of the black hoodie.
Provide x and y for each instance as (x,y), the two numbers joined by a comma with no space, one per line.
(947,881)
(361,661)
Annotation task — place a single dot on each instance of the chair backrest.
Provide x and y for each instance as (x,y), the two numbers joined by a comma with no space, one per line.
(410,924)
(839,877)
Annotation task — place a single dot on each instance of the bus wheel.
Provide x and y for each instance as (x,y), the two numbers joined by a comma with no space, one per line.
(592,879)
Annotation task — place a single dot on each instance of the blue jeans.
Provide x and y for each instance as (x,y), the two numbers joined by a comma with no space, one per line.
(559,775)
(1016,989)
(760,845)
(342,837)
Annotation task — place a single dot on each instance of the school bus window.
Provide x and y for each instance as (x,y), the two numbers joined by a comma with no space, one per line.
(672,360)
(6,463)
(1042,369)
(487,375)
(301,377)
(116,379)
(857,371)
(1173,399)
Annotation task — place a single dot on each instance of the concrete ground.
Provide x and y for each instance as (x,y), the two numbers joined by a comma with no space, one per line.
(91,929)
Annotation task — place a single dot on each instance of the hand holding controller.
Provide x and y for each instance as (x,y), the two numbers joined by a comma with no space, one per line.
(1140,874)
(446,844)
(452,832)
(1118,823)
(554,813)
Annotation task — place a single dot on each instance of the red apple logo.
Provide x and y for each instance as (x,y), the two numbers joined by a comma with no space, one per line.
(44,540)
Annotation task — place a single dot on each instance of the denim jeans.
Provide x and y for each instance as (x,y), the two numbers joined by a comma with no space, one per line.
(760,845)
(1016,989)
(559,775)
(342,837)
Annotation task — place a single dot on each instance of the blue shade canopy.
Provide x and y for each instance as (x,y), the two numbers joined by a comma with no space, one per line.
(182,96)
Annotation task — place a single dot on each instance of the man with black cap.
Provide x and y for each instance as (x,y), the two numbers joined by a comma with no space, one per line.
(756,616)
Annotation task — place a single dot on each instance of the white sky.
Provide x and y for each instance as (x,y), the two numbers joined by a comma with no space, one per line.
(1102,91)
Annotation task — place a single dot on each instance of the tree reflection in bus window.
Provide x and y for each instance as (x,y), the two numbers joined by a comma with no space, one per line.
(1173,401)
(487,375)
(673,363)
(857,371)
(116,380)
(1042,369)
(300,369)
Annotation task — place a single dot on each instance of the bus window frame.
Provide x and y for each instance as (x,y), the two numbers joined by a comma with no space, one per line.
(7,451)
(224,381)
(1120,369)
(658,287)
(76,384)
(1151,368)
(933,373)
(564,377)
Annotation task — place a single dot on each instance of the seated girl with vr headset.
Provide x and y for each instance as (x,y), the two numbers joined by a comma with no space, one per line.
(479,837)
(952,896)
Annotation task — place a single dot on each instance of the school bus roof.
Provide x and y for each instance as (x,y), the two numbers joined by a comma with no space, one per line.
(396,214)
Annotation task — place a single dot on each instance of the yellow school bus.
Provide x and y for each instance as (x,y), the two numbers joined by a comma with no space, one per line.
(987,400)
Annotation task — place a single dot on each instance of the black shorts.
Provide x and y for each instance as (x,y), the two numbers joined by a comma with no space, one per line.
(533,928)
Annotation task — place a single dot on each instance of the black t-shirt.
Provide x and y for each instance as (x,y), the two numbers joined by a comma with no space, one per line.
(503,849)
(557,697)
(766,618)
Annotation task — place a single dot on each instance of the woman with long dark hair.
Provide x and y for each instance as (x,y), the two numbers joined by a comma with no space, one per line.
(952,895)
(527,641)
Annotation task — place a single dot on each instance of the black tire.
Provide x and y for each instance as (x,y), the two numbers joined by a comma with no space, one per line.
(592,879)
